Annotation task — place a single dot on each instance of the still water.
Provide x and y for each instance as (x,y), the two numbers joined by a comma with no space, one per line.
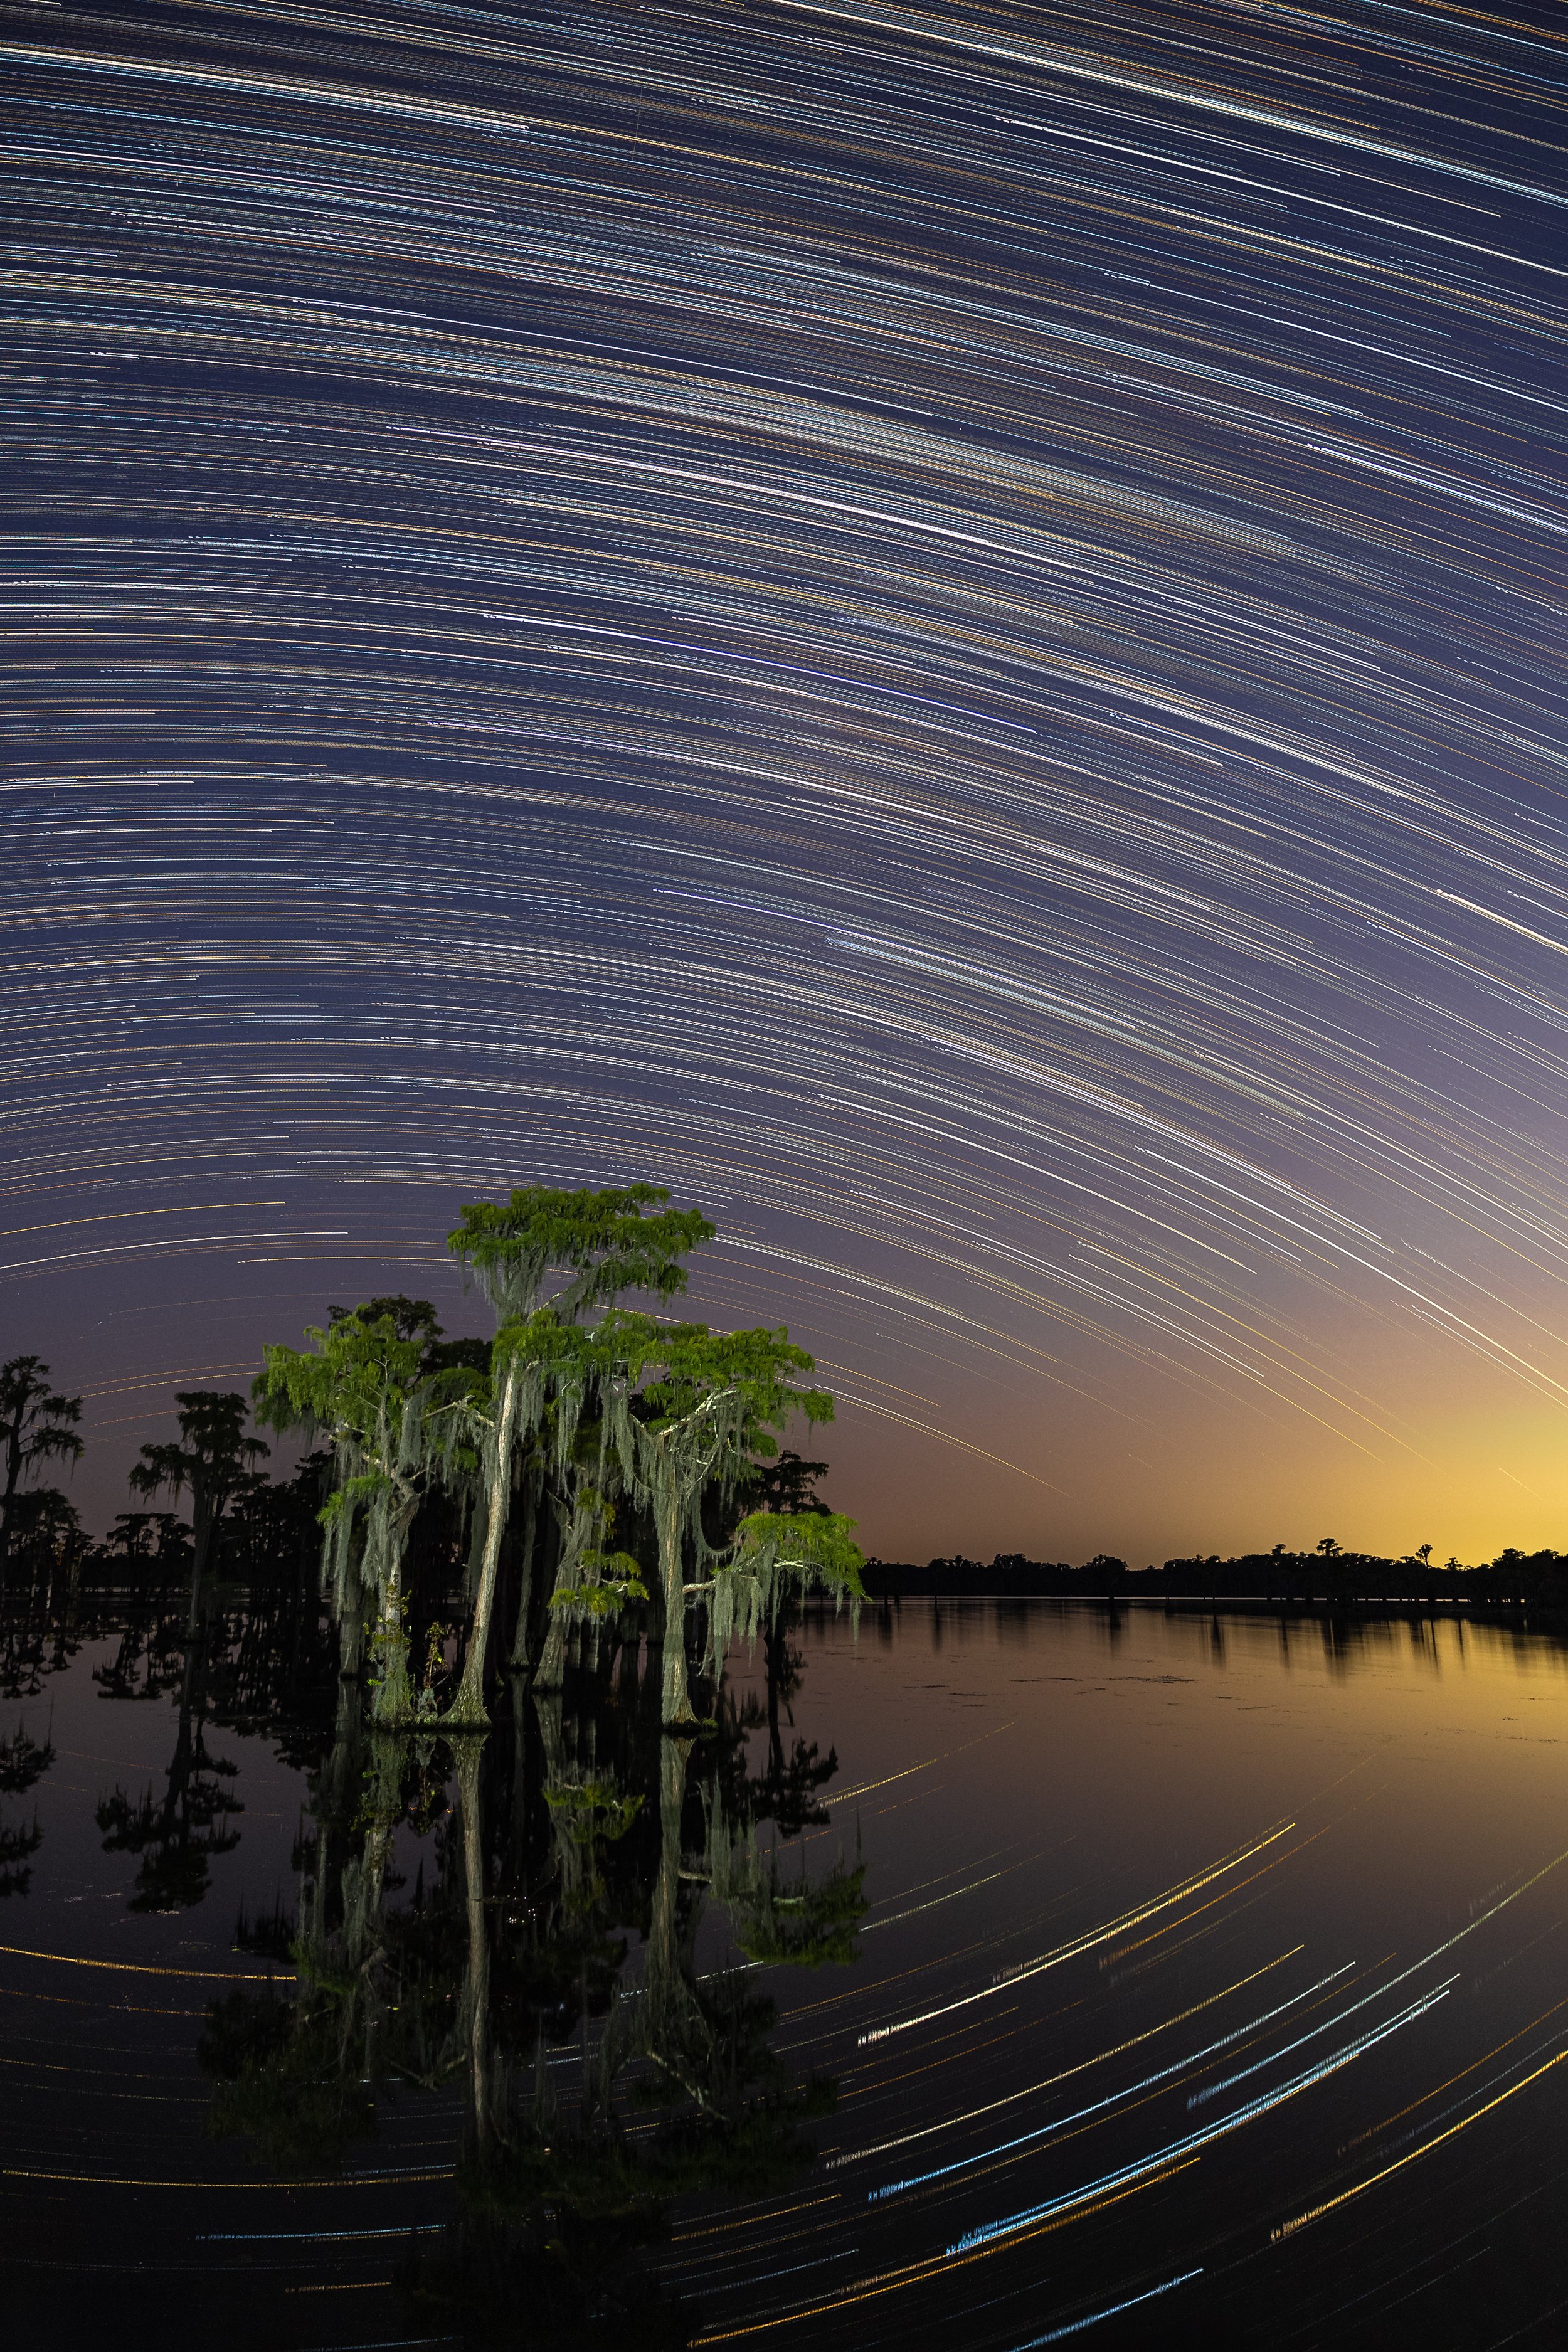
(1006,1974)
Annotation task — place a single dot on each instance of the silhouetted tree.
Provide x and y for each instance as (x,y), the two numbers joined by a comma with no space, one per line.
(213,1462)
(37,1425)
(152,1547)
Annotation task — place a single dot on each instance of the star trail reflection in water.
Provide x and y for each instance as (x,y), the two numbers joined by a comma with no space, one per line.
(1316,2101)
(940,627)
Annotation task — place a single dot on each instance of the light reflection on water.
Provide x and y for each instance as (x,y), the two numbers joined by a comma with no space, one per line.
(1181,1930)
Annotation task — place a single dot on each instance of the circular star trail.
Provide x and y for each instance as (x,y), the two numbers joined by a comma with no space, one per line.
(942,628)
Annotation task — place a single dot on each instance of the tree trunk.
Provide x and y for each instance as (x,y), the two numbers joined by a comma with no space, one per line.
(551,1672)
(351,1644)
(468,1706)
(392,1708)
(677,1699)
(525,1578)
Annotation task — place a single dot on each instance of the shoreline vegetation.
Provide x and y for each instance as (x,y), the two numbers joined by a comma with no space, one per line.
(1324,1578)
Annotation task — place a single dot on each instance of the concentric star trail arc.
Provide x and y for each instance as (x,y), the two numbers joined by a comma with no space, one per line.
(939,628)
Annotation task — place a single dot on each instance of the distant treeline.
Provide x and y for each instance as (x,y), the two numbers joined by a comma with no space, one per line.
(269,1537)
(1327,1576)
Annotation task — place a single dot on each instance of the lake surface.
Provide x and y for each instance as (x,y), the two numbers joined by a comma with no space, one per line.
(1199,1980)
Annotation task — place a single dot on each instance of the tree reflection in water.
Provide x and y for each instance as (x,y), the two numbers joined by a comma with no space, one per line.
(543,1976)
(24,1761)
(177,1836)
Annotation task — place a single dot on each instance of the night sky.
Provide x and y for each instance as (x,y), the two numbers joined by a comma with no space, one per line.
(942,628)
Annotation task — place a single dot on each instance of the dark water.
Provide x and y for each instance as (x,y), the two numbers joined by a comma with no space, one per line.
(1212,1969)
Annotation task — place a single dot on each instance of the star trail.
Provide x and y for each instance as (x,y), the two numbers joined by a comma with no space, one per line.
(942,628)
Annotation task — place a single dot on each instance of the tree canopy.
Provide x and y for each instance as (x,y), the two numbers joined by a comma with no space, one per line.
(626,1439)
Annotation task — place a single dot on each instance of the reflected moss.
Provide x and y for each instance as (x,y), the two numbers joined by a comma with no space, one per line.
(561,2201)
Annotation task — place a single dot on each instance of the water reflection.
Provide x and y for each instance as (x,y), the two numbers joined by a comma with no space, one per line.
(177,1836)
(23,1760)
(513,2003)
(543,1973)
